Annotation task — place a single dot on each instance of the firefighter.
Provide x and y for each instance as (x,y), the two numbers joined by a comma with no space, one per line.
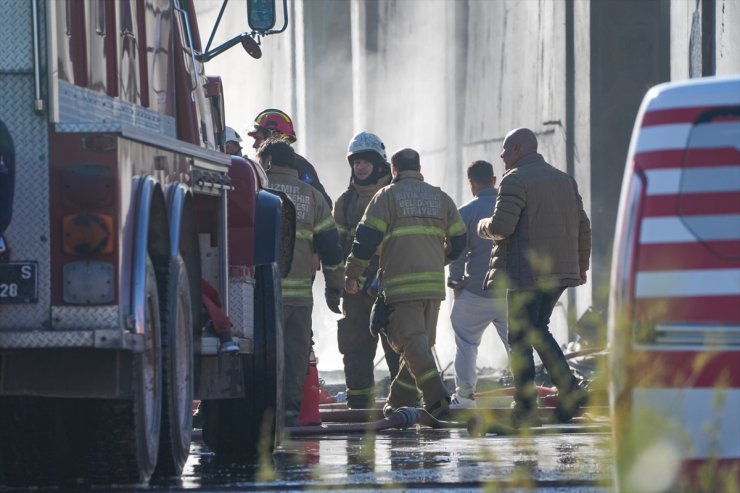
(421,231)
(315,230)
(369,173)
(277,124)
(232,142)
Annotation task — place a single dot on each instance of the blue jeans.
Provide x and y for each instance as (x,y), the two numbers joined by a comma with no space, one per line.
(529,316)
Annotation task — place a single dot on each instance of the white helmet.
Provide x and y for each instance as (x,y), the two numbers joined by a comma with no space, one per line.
(230,135)
(365,142)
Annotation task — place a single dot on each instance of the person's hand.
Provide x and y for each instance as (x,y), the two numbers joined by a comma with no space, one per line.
(482,228)
(584,277)
(350,286)
(315,263)
(333,296)
(456,287)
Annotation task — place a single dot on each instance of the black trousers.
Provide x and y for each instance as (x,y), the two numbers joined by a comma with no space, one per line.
(529,312)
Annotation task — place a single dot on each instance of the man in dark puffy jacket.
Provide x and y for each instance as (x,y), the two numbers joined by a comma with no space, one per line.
(370,172)
(543,246)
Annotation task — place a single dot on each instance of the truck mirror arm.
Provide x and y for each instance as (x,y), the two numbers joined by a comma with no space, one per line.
(246,40)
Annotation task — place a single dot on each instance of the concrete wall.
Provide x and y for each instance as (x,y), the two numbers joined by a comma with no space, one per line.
(705,36)
(629,54)
(450,78)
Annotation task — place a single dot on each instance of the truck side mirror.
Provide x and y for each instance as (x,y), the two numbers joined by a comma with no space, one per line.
(261,19)
(261,15)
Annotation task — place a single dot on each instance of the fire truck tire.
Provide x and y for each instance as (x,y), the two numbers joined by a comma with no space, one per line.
(126,437)
(38,445)
(177,371)
(265,381)
(245,429)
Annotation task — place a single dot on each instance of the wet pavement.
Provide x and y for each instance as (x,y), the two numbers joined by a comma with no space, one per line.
(422,459)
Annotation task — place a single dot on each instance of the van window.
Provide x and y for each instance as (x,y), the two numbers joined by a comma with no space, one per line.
(708,200)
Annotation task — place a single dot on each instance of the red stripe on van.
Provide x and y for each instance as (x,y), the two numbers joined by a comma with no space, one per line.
(678,158)
(686,369)
(711,474)
(674,115)
(682,256)
(704,309)
(692,204)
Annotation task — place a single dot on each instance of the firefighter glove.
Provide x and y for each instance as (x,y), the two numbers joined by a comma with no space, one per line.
(332,299)
(379,315)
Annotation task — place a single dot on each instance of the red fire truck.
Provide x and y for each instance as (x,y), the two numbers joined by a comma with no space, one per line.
(116,203)
(674,323)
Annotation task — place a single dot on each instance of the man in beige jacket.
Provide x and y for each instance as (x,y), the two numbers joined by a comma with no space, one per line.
(543,246)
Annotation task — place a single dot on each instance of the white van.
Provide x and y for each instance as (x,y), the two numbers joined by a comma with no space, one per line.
(674,314)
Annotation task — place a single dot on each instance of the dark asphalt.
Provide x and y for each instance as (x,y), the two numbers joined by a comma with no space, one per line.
(551,460)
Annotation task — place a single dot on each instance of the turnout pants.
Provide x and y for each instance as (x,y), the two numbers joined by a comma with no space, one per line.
(297,344)
(359,347)
(412,332)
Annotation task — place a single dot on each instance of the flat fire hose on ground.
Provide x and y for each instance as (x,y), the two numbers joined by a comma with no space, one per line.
(477,425)
(403,417)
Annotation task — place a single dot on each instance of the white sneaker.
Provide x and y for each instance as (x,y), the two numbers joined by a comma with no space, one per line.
(459,402)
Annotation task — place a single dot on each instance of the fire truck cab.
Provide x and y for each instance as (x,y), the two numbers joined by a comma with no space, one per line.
(117,205)
(674,322)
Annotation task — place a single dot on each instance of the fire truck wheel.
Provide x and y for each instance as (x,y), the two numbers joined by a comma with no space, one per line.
(177,371)
(247,428)
(266,378)
(126,437)
(39,444)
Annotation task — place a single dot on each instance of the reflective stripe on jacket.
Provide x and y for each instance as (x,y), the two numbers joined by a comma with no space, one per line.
(416,221)
(348,210)
(313,223)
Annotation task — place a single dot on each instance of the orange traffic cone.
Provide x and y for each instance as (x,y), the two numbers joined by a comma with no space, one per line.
(309,414)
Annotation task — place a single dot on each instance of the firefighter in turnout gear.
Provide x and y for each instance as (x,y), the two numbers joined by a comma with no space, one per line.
(370,172)
(315,231)
(421,231)
(276,124)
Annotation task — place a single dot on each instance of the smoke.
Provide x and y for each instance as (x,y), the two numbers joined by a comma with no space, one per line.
(410,72)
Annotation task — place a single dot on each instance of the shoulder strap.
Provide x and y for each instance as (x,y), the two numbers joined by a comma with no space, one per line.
(346,199)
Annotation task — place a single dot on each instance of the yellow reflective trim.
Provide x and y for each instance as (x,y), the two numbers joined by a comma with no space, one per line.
(415,288)
(414,276)
(375,222)
(358,261)
(342,230)
(296,293)
(333,267)
(426,376)
(416,230)
(456,229)
(408,385)
(304,234)
(297,282)
(324,225)
(366,391)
